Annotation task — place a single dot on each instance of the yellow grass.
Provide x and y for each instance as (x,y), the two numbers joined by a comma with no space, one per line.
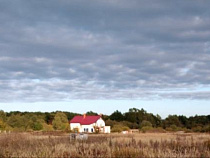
(105,145)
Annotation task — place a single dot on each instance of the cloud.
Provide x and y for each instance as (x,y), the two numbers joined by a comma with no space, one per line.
(65,50)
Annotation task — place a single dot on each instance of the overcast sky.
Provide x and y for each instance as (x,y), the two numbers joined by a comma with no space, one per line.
(105,51)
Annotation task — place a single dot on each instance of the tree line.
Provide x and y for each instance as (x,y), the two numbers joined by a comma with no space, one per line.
(133,119)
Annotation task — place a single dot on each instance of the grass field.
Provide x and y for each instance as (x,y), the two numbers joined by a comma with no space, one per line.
(111,145)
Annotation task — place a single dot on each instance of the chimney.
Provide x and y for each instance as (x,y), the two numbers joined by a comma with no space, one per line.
(84,115)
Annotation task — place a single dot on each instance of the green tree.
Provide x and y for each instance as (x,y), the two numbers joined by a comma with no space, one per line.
(111,122)
(2,120)
(172,120)
(60,121)
(131,116)
(19,122)
(183,120)
(15,121)
(146,124)
(91,113)
(36,123)
(117,116)
(2,116)
(2,125)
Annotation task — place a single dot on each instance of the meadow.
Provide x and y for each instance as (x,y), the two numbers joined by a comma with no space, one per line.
(58,144)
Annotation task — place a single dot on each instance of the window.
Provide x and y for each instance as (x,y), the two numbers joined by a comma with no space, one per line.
(92,130)
(85,129)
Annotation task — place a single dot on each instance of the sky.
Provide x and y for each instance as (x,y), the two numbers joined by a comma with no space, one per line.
(105,55)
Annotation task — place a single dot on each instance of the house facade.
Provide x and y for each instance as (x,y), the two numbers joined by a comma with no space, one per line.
(89,124)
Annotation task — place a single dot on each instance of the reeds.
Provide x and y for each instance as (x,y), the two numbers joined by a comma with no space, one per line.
(113,145)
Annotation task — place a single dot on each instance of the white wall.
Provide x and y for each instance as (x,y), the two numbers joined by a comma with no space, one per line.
(100,123)
(89,127)
(75,125)
(107,129)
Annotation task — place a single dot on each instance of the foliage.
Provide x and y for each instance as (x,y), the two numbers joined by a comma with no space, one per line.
(134,119)
(2,125)
(172,120)
(146,128)
(47,127)
(60,121)
(117,116)
(120,128)
(111,122)
(173,128)
(145,124)
(2,116)
(91,113)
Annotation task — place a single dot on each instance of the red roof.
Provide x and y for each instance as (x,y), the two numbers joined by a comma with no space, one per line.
(85,120)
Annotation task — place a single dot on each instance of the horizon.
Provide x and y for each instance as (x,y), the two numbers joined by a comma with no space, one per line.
(122,106)
(105,55)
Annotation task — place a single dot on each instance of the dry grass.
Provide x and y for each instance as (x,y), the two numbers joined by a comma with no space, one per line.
(113,145)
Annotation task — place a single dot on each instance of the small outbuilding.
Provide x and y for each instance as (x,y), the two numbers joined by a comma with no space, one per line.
(89,124)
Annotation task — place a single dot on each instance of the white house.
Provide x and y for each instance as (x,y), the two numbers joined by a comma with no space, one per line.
(89,124)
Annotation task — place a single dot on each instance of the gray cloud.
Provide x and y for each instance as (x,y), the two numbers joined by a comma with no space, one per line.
(62,50)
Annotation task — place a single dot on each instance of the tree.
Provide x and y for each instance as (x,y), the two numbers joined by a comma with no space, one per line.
(131,116)
(2,120)
(60,121)
(2,125)
(183,120)
(14,121)
(117,116)
(2,116)
(36,123)
(172,120)
(91,113)
(146,124)
(20,122)
(111,122)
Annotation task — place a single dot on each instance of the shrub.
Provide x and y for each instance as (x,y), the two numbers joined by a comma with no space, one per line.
(145,124)
(47,127)
(206,128)
(173,128)
(2,125)
(197,129)
(111,123)
(146,128)
(119,128)
(157,130)
(75,130)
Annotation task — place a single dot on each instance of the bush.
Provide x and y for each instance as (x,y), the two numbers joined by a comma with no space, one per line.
(120,128)
(126,123)
(111,123)
(173,128)
(2,125)
(157,130)
(145,124)
(146,128)
(125,128)
(186,130)
(47,127)
(206,128)
(197,129)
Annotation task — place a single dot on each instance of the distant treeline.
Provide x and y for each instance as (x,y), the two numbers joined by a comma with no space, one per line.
(133,119)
